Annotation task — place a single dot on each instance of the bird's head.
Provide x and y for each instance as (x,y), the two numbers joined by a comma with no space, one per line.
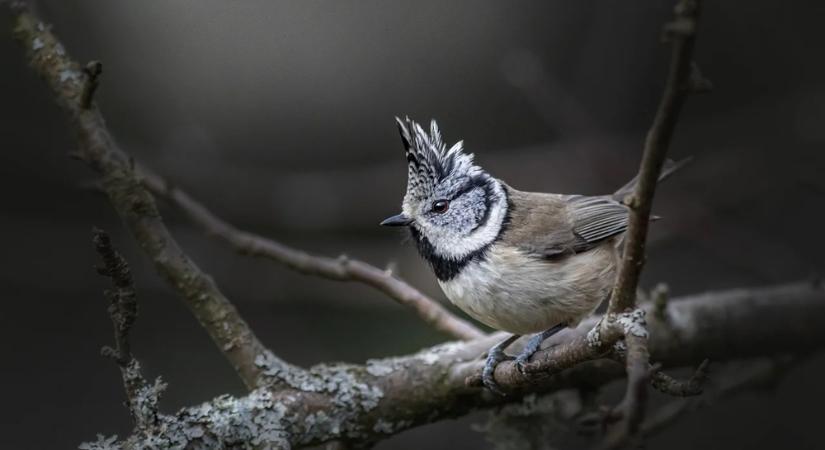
(452,207)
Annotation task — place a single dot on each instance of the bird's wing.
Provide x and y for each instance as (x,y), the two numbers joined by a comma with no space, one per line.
(595,219)
(552,226)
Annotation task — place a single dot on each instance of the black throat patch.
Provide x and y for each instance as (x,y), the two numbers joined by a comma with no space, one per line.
(448,268)
(445,268)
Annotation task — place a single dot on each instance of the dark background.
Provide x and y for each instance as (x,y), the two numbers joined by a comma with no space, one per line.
(279,116)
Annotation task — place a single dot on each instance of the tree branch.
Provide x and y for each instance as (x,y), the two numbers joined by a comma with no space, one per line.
(682,33)
(683,76)
(756,374)
(339,269)
(132,201)
(365,403)
(631,411)
(691,387)
(141,397)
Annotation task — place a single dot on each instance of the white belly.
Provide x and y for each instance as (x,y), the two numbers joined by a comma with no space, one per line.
(512,292)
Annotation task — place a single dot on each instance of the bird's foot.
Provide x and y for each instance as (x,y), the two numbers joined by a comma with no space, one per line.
(533,346)
(494,356)
(524,357)
(523,360)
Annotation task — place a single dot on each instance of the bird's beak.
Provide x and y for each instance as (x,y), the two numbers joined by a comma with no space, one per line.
(398,220)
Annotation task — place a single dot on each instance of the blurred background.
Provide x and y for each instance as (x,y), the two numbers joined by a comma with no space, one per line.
(279,117)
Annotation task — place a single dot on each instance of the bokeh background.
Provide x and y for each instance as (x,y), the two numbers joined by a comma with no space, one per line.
(279,116)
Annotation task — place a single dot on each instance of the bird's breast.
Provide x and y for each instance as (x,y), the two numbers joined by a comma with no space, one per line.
(514,291)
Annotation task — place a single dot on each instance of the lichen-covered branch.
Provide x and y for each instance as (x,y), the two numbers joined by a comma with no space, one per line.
(141,396)
(364,403)
(361,404)
(123,305)
(131,200)
(339,269)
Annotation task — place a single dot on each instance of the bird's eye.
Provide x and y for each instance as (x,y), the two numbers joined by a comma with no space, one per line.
(441,206)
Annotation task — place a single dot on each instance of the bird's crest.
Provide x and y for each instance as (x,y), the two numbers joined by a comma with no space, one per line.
(429,162)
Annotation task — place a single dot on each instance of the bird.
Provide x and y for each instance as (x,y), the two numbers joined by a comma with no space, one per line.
(527,263)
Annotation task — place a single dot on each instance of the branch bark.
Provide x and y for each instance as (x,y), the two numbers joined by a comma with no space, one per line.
(631,411)
(682,33)
(682,388)
(339,269)
(365,403)
(141,397)
(133,203)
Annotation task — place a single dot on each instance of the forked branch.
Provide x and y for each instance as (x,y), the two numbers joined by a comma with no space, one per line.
(135,205)
(683,77)
(681,32)
(365,403)
(339,269)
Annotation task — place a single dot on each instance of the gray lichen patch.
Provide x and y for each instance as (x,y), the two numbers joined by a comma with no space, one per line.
(347,389)
(251,422)
(379,367)
(143,397)
(68,75)
(102,443)
(594,336)
(431,355)
(633,323)
(342,382)
(261,419)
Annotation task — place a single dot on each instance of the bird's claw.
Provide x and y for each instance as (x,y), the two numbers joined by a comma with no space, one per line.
(521,363)
(494,357)
(532,346)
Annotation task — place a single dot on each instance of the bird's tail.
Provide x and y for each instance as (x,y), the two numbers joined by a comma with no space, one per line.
(668,169)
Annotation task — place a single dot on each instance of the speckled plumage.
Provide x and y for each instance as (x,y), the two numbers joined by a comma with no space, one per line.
(516,261)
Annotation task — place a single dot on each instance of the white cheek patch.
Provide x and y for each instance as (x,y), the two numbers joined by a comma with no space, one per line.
(448,244)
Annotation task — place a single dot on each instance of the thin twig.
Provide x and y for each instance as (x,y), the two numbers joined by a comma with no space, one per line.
(758,374)
(681,32)
(630,413)
(663,382)
(683,77)
(142,398)
(133,202)
(681,388)
(123,307)
(339,269)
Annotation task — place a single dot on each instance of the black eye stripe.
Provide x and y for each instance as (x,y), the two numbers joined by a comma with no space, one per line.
(471,184)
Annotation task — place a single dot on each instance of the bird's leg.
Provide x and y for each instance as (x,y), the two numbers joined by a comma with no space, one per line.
(495,356)
(533,345)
